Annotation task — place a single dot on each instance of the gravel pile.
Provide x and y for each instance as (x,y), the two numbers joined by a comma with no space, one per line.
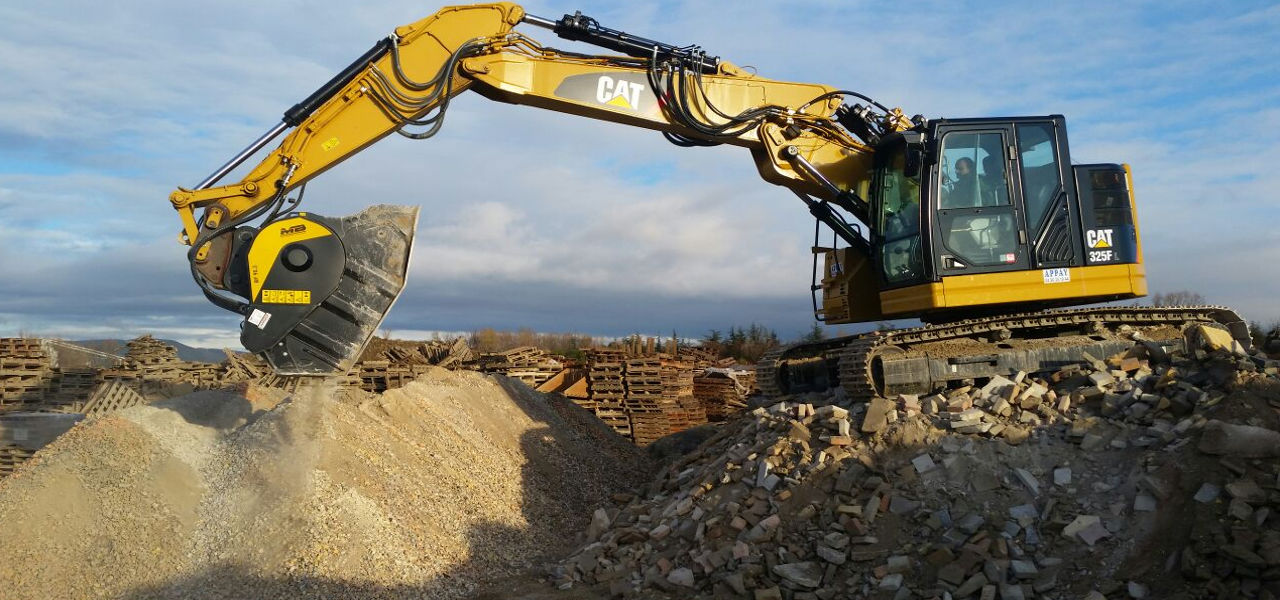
(425,491)
(1150,474)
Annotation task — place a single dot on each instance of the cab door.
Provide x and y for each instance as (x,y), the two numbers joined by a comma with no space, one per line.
(980,225)
(1049,198)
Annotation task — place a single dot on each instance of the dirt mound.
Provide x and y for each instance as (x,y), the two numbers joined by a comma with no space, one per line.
(424,491)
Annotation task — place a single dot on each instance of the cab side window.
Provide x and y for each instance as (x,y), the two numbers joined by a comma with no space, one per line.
(974,171)
(977,220)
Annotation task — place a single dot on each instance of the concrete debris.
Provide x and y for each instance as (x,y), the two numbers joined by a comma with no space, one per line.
(948,495)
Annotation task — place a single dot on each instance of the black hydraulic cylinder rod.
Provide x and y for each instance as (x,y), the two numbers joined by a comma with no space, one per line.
(581,28)
(302,110)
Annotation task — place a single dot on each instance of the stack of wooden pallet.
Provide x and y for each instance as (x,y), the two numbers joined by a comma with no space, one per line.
(697,356)
(25,369)
(718,393)
(152,360)
(12,455)
(441,354)
(677,382)
(645,403)
(531,365)
(69,389)
(377,376)
(608,389)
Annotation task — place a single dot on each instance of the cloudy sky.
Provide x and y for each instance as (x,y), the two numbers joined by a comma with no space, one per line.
(536,219)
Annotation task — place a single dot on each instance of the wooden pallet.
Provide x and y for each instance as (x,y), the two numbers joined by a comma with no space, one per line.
(11,456)
(112,396)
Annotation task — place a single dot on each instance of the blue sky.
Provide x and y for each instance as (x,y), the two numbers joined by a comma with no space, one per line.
(594,227)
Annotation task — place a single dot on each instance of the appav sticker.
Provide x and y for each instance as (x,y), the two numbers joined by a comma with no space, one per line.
(1062,275)
(259,318)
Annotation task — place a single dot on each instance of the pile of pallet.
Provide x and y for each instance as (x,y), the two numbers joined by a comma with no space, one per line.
(243,367)
(25,367)
(645,403)
(449,355)
(648,398)
(531,365)
(719,393)
(697,356)
(606,383)
(67,390)
(152,360)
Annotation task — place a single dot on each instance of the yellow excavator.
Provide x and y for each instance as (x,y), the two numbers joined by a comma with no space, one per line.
(977,226)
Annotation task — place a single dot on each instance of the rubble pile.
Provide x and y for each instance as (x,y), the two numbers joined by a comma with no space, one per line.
(1149,474)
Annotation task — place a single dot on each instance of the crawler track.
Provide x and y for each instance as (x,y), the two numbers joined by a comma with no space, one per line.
(919,359)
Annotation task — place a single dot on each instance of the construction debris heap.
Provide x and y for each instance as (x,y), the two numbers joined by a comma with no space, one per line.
(1149,474)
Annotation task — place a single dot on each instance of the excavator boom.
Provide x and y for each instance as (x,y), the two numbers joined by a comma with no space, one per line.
(313,290)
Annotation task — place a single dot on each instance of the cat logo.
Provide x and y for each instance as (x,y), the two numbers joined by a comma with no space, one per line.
(1098,238)
(294,230)
(619,92)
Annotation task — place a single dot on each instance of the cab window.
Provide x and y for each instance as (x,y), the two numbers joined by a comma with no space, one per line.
(899,219)
(973,171)
(978,223)
(1041,177)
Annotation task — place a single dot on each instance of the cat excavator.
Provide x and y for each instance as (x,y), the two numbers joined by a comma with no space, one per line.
(981,228)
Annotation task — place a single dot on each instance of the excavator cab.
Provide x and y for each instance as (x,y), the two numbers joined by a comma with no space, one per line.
(973,217)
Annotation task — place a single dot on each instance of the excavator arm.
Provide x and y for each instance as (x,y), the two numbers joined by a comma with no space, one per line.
(313,289)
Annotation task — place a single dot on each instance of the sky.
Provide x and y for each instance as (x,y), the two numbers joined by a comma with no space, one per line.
(536,219)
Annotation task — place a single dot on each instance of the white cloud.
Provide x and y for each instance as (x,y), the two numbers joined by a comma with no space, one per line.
(109,106)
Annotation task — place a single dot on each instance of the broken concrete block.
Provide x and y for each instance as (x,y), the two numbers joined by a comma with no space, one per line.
(804,574)
(1209,338)
(891,582)
(1101,379)
(1246,490)
(770,593)
(1078,524)
(996,385)
(831,555)
(899,564)
(923,464)
(876,418)
(682,576)
(1011,591)
(1028,480)
(971,586)
(1244,441)
(1023,569)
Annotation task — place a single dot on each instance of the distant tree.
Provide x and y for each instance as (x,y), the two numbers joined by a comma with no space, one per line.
(1178,298)
(815,334)
(1259,332)
(484,340)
